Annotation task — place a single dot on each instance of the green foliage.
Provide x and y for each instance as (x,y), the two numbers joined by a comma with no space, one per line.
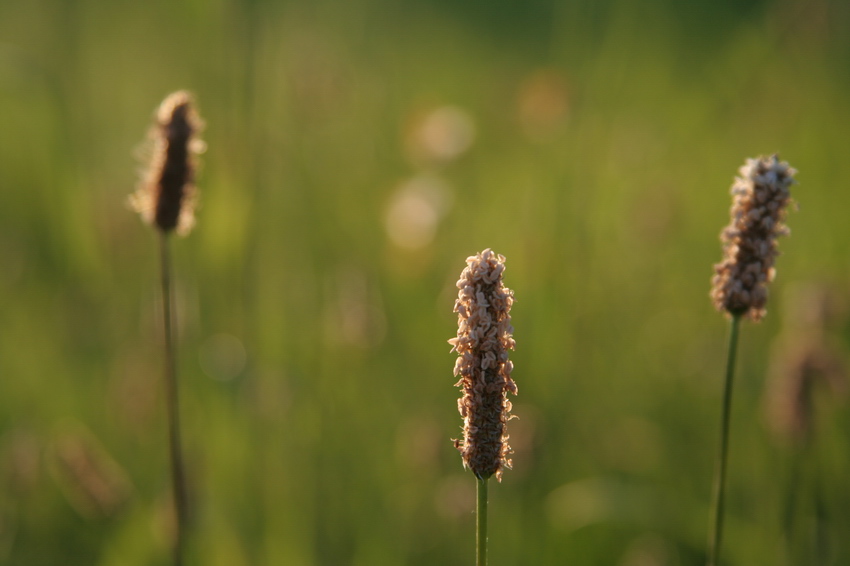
(606,135)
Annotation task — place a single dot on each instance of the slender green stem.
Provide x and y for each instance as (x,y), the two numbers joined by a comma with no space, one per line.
(178,478)
(720,473)
(481,524)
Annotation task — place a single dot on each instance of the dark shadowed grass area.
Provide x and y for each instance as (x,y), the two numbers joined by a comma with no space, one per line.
(357,153)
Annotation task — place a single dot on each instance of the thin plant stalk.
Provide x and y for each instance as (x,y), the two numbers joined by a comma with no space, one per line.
(760,197)
(720,474)
(481,523)
(178,478)
(483,339)
(165,199)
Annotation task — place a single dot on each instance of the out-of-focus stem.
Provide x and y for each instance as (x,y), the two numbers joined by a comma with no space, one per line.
(178,479)
(716,528)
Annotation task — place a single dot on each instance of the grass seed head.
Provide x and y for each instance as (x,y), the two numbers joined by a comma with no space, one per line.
(483,339)
(760,198)
(167,195)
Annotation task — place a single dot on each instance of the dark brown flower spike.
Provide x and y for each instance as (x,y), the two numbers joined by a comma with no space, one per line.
(166,195)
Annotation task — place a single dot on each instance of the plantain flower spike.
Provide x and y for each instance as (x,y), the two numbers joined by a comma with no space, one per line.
(484,337)
(760,199)
(166,195)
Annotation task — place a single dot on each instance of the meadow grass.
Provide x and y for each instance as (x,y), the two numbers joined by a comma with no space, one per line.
(331,444)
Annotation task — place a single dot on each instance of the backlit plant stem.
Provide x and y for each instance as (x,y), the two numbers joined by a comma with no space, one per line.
(760,197)
(178,478)
(484,337)
(165,199)
(481,523)
(719,490)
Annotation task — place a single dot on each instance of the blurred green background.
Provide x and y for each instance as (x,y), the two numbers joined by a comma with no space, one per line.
(358,152)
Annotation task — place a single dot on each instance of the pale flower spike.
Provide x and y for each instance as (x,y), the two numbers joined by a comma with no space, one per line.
(483,339)
(760,198)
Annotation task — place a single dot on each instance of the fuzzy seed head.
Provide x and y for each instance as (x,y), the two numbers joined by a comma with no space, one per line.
(484,337)
(760,197)
(166,195)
